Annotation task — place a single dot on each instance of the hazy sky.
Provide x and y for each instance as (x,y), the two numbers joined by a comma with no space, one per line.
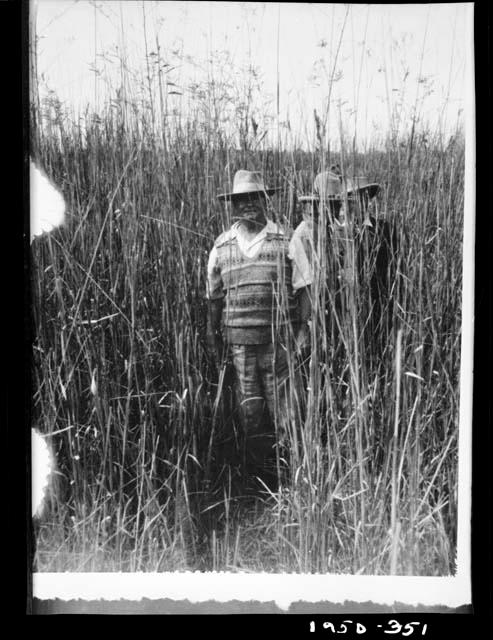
(382,56)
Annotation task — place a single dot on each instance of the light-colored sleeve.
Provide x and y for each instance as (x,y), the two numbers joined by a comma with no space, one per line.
(302,271)
(214,280)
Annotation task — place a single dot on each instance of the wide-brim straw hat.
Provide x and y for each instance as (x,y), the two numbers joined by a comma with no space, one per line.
(326,185)
(329,186)
(247,182)
(361,184)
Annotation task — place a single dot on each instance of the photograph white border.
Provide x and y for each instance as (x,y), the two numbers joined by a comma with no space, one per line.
(286,589)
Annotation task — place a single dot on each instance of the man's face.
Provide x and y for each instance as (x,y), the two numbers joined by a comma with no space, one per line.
(250,208)
(310,210)
(334,209)
(357,205)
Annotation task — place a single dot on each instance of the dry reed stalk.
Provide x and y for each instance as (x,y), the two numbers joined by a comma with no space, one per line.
(394,522)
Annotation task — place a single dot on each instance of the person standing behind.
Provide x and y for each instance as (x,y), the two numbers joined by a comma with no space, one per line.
(353,256)
(259,303)
(359,248)
(373,271)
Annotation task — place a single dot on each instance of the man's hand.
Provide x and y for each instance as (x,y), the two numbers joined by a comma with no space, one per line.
(217,348)
(215,342)
(302,340)
(346,276)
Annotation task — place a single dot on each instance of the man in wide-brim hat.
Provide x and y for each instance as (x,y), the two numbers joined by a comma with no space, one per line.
(326,211)
(257,286)
(329,188)
(358,248)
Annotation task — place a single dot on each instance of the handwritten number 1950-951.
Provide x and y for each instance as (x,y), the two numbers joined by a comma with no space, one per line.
(390,627)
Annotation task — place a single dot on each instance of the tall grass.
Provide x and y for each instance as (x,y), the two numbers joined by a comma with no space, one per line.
(147,439)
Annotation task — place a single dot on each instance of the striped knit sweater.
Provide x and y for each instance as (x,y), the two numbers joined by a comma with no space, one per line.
(259,301)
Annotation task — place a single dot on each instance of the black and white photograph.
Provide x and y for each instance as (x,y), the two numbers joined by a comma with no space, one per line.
(252,292)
